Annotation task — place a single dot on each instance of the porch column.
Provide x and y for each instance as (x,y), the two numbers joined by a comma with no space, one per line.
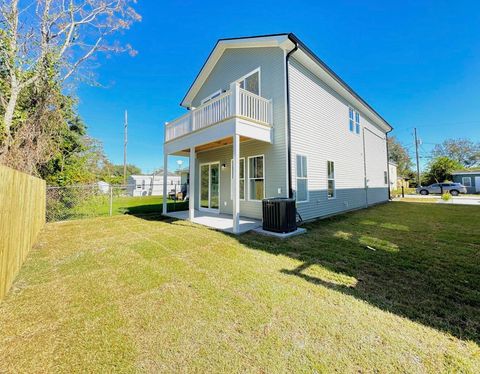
(191,198)
(236,182)
(165,171)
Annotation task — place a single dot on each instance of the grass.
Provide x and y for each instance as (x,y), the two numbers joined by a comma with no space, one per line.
(395,288)
(99,205)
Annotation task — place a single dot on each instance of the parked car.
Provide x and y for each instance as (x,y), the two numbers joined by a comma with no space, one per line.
(454,188)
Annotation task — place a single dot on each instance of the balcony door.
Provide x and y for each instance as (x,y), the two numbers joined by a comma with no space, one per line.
(210,187)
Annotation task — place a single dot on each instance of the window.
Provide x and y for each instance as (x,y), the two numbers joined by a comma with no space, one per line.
(143,184)
(351,119)
(251,82)
(242,179)
(212,96)
(354,120)
(256,182)
(331,179)
(385,177)
(302,185)
(467,181)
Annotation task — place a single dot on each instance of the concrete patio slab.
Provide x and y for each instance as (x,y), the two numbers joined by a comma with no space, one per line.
(281,235)
(222,222)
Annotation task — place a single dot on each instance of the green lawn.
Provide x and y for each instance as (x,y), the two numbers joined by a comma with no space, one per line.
(129,205)
(99,205)
(395,288)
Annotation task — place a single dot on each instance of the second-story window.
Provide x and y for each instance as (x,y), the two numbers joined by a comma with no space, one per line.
(251,82)
(353,121)
(211,97)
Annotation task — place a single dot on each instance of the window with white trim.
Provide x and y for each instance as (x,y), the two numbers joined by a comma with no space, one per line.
(242,178)
(467,181)
(330,179)
(354,121)
(302,183)
(256,181)
(251,82)
(211,97)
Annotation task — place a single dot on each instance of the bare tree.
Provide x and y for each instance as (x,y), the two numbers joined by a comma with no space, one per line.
(54,37)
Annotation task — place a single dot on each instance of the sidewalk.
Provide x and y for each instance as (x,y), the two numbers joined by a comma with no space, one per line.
(462,200)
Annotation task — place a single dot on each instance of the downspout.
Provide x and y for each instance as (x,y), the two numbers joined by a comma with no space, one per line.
(388,166)
(289,130)
(365,183)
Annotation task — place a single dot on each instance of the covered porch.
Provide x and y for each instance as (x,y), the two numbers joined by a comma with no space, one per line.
(223,222)
(217,124)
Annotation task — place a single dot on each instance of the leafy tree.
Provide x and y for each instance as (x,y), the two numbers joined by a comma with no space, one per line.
(116,173)
(52,39)
(399,154)
(41,46)
(440,170)
(464,151)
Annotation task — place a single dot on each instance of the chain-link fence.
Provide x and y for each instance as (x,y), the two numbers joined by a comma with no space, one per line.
(101,199)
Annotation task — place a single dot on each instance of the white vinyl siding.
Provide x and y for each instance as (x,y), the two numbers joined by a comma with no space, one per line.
(242,178)
(302,179)
(256,178)
(319,130)
(232,65)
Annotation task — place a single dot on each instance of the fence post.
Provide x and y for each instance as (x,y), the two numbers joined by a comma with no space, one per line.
(111,199)
(403,191)
(175,199)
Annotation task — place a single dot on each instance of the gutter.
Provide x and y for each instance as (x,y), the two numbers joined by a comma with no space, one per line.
(289,121)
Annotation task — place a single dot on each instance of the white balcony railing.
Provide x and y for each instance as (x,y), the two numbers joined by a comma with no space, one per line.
(236,102)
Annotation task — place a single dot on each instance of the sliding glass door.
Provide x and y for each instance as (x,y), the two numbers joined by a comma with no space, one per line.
(210,186)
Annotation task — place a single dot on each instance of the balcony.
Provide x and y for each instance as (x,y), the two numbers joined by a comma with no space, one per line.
(234,104)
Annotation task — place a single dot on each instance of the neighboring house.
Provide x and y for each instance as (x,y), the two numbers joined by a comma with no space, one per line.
(103,187)
(151,185)
(392,175)
(469,178)
(267,118)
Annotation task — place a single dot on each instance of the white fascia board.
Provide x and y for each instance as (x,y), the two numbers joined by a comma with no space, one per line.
(339,88)
(465,172)
(281,41)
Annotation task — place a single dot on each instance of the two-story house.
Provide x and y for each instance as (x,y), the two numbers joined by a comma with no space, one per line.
(267,118)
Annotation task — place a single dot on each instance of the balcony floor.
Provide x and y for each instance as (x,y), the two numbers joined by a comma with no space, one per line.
(222,222)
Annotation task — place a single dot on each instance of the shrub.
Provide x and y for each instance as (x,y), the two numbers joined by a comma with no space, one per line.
(446,196)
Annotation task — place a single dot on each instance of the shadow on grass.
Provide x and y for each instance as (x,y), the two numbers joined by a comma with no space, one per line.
(419,261)
(153,212)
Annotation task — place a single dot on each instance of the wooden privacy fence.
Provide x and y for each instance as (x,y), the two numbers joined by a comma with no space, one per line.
(22,216)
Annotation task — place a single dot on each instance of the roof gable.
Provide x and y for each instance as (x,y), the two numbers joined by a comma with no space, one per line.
(277,40)
(290,43)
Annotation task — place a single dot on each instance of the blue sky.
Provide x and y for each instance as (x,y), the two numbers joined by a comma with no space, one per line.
(416,62)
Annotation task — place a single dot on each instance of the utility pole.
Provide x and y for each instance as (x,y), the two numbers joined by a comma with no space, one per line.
(416,153)
(125,149)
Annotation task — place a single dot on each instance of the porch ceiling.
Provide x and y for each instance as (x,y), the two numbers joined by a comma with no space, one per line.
(216,144)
